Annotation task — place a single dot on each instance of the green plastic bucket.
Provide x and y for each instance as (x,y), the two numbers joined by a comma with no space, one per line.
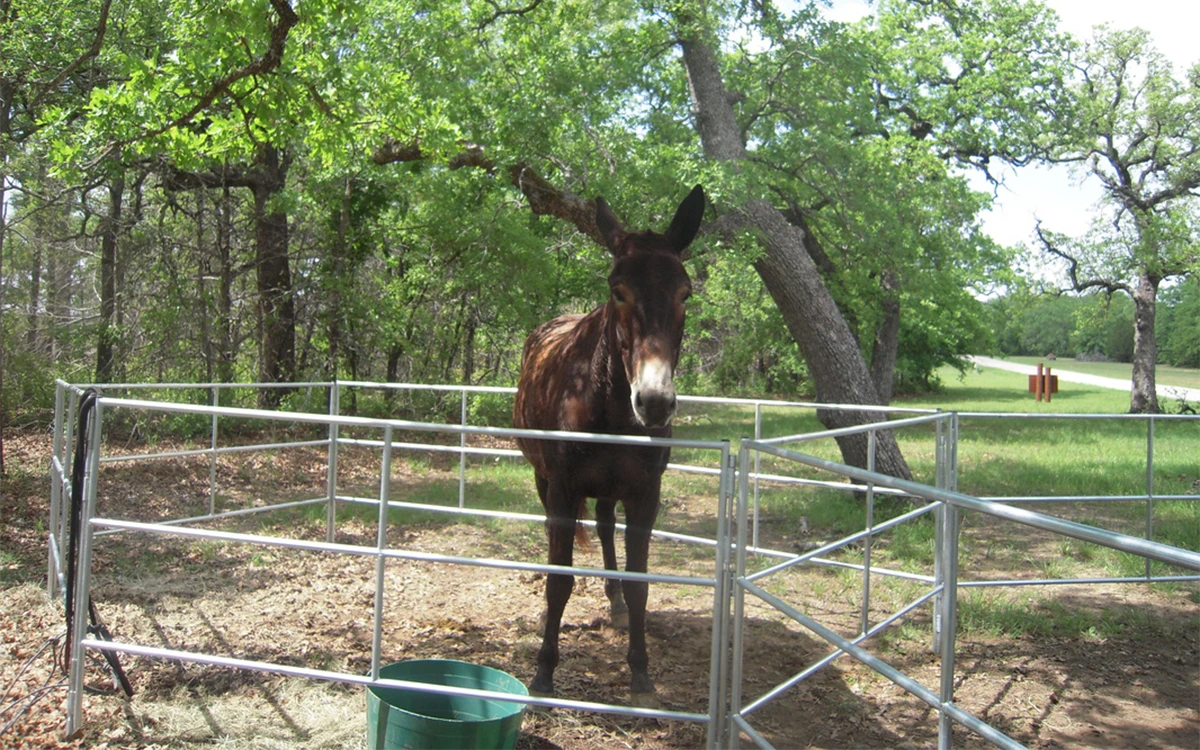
(398,718)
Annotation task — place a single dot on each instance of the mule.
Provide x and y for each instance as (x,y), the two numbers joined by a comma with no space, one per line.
(609,371)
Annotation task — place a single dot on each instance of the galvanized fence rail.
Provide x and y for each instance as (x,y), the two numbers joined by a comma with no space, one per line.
(737,535)
(947,505)
(95,524)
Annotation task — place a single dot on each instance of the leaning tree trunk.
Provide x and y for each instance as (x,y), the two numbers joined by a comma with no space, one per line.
(833,355)
(829,347)
(1144,398)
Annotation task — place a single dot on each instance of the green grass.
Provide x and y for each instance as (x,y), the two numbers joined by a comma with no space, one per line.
(990,389)
(1062,456)
(493,486)
(996,612)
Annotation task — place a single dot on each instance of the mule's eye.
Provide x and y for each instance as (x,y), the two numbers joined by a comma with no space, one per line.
(685,295)
(618,296)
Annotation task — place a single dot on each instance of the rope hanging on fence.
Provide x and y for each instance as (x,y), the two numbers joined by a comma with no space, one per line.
(87,405)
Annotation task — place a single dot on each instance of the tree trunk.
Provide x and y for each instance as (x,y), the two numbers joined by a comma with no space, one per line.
(352,364)
(110,231)
(887,338)
(33,333)
(834,358)
(277,341)
(58,282)
(833,355)
(203,275)
(469,348)
(392,372)
(340,252)
(3,232)
(226,354)
(1144,397)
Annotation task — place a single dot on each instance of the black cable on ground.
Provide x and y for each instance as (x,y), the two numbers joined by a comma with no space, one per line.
(33,697)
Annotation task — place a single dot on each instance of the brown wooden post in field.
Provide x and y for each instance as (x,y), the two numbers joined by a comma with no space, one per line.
(1043,384)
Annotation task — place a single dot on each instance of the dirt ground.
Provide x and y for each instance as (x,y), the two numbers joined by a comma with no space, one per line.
(1127,677)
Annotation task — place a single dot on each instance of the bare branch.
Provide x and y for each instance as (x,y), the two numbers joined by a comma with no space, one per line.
(1077,285)
(500,12)
(93,51)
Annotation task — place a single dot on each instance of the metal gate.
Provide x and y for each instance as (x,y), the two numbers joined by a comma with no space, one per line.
(730,714)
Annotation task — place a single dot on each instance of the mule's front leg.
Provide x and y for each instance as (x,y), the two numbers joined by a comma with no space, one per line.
(561,534)
(639,519)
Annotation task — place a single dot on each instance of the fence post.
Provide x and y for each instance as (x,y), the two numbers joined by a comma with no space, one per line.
(948,614)
(68,456)
(866,575)
(952,484)
(757,465)
(737,593)
(385,488)
(721,672)
(1149,486)
(54,562)
(212,456)
(941,480)
(331,467)
(462,454)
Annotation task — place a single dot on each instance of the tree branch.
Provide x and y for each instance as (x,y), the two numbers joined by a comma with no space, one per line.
(501,12)
(391,152)
(547,200)
(1107,285)
(93,51)
(267,62)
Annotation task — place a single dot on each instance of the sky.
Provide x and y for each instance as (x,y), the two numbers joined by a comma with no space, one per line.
(1053,194)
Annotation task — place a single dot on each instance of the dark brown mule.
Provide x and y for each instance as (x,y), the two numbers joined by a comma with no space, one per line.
(610,371)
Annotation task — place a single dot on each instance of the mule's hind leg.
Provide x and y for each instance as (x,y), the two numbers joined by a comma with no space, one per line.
(606,519)
(560,532)
(542,489)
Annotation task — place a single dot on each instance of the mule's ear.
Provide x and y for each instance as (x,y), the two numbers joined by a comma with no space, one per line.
(687,220)
(610,229)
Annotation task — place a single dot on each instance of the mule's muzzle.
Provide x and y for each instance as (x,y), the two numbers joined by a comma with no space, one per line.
(654,407)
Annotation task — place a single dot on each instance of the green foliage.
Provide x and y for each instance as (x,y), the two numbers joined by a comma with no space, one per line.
(870,174)
(29,381)
(432,268)
(490,409)
(1179,324)
(1095,325)
(738,341)
(1046,327)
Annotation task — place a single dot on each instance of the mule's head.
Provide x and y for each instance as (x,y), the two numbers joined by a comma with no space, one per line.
(649,287)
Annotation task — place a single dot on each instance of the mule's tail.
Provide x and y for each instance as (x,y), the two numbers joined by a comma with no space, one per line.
(582,539)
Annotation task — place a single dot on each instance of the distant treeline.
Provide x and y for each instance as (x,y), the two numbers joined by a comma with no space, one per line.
(1098,326)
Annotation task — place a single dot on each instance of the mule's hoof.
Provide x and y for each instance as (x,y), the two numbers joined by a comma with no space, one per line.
(537,708)
(619,619)
(645,700)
